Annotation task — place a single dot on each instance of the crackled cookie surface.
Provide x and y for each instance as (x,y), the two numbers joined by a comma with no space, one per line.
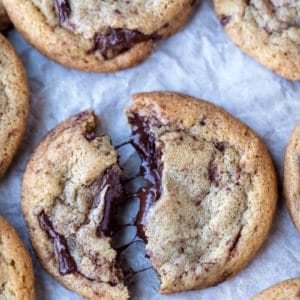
(13,103)
(70,186)
(292,176)
(16,275)
(286,290)
(98,35)
(4,20)
(268,30)
(212,189)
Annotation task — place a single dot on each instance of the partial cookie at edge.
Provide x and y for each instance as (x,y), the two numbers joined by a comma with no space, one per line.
(73,50)
(14,103)
(16,276)
(291,183)
(286,290)
(269,34)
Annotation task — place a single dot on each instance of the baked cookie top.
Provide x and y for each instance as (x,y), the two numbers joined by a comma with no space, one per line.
(16,276)
(212,190)
(291,183)
(13,103)
(97,35)
(289,289)
(4,20)
(70,185)
(268,30)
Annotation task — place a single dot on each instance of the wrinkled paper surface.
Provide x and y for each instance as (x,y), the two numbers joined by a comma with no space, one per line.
(200,61)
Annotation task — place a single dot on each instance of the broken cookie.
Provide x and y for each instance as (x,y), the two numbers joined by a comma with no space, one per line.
(70,188)
(211,192)
(205,209)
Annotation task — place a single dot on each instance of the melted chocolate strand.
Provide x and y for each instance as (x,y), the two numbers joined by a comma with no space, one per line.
(130,273)
(116,41)
(122,145)
(127,180)
(66,262)
(143,140)
(112,179)
(124,247)
(62,10)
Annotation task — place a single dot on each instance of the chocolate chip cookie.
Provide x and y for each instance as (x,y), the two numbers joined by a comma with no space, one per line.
(268,30)
(98,35)
(286,290)
(16,275)
(14,103)
(70,188)
(4,20)
(291,183)
(211,192)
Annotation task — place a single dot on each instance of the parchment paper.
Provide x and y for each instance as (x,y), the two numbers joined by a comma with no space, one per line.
(200,61)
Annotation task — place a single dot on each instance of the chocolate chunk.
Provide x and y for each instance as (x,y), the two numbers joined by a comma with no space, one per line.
(220,146)
(66,262)
(202,122)
(151,168)
(90,136)
(116,41)
(213,173)
(62,10)
(235,242)
(111,180)
(225,20)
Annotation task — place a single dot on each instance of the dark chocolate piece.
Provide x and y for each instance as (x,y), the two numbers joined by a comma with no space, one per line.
(90,136)
(143,140)
(235,242)
(220,146)
(113,194)
(124,247)
(213,174)
(225,20)
(116,41)
(62,10)
(66,262)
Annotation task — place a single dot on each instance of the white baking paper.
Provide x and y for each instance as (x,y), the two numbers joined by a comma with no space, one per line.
(200,61)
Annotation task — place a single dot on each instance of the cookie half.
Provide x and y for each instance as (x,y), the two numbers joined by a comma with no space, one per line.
(97,35)
(211,192)
(16,276)
(266,30)
(286,290)
(4,19)
(70,187)
(14,103)
(291,184)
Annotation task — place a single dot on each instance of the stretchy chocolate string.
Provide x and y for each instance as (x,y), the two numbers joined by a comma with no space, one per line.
(143,140)
(124,247)
(130,273)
